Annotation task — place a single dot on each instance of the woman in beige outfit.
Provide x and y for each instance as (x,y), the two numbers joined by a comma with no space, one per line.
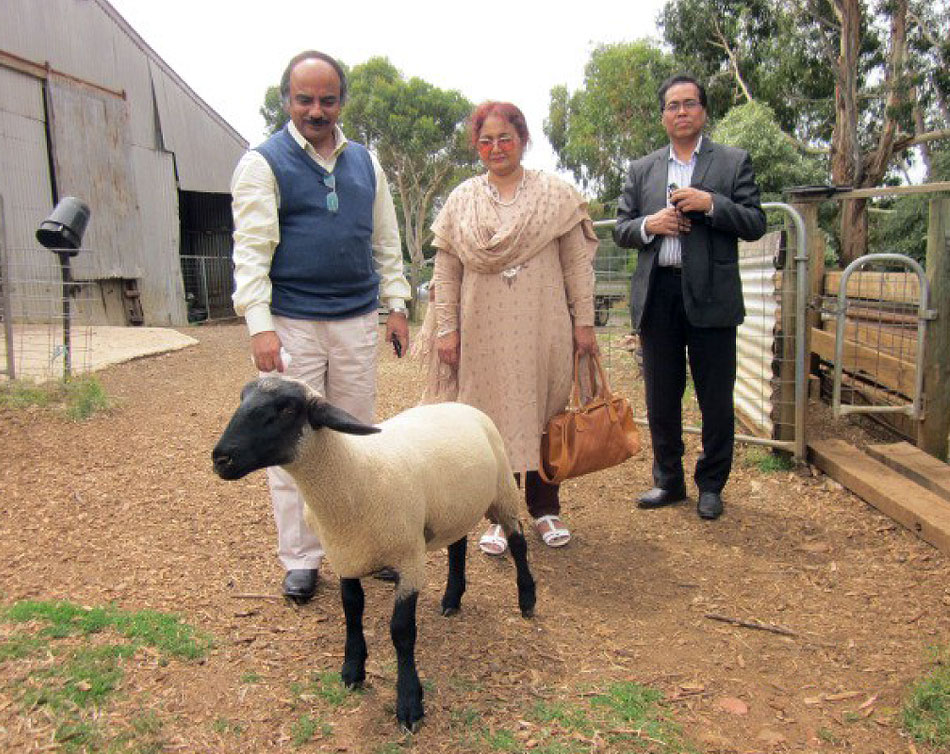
(513,285)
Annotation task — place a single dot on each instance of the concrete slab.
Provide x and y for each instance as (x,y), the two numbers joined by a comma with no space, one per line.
(39,354)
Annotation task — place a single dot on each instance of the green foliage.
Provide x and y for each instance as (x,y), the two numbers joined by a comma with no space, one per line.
(272,111)
(78,398)
(768,461)
(926,714)
(160,630)
(306,728)
(613,118)
(224,726)
(904,229)
(777,163)
(74,681)
(418,131)
(629,716)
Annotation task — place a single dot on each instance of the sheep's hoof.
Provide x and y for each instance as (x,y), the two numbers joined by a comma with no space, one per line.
(412,728)
(527,612)
(450,611)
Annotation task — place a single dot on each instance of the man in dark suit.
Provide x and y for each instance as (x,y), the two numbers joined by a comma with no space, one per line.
(684,207)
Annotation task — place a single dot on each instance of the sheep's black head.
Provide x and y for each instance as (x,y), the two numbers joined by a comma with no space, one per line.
(267,426)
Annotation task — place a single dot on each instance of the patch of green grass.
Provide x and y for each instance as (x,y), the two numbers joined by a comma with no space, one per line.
(251,677)
(926,714)
(84,397)
(565,716)
(329,687)
(20,394)
(20,645)
(627,715)
(502,740)
(74,682)
(79,398)
(306,728)
(768,461)
(160,630)
(827,736)
(227,727)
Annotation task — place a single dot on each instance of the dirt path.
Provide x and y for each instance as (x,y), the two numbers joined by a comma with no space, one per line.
(124,508)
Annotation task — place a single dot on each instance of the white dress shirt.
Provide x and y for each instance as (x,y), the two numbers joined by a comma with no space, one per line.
(255,200)
(680,173)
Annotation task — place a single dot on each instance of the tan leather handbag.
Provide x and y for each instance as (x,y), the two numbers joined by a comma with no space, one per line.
(589,437)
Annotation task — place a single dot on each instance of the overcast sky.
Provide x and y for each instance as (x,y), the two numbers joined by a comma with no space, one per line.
(230,52)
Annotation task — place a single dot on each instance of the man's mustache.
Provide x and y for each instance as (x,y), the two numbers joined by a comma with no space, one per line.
(318,122)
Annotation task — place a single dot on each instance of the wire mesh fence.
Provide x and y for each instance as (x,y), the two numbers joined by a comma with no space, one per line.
(46,317)
(208,282)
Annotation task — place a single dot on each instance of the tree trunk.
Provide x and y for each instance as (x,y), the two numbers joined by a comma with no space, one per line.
(846,164)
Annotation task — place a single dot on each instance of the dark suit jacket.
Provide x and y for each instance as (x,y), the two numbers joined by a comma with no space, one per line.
(712,291)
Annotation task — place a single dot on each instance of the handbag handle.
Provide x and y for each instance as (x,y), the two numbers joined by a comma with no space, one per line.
(600,386)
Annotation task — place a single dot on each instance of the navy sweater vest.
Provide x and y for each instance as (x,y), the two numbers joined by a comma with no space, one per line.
(323,265)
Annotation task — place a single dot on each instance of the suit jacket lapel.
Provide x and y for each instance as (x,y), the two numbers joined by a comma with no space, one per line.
(703,161)
(657,181)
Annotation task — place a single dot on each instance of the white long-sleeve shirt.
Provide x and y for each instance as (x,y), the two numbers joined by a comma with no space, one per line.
(255,201)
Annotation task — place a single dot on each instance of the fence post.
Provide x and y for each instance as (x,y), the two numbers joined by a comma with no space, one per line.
(6,284)
(932,431)
(808,208)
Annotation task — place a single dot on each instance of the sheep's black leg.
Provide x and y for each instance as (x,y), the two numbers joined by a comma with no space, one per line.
(354,655)
(402,628)
(455,587)
(526,590)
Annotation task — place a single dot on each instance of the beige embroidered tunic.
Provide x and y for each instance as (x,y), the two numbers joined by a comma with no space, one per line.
(513,280)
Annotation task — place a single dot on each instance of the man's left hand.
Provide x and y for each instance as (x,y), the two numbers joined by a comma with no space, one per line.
(691,200)
(398,325)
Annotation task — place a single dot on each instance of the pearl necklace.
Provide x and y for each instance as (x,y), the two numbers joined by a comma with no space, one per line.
(496,196)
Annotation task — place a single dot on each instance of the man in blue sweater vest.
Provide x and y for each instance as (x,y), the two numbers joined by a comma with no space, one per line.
(316,245)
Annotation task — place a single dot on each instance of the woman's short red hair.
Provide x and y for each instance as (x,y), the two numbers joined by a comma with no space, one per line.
(506,110)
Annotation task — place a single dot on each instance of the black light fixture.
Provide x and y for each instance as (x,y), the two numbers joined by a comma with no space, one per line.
(62,233)
(65,226)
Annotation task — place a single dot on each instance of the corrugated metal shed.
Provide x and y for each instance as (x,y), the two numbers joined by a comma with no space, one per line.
(126,135)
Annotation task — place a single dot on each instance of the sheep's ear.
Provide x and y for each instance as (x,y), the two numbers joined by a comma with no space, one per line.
(324,414)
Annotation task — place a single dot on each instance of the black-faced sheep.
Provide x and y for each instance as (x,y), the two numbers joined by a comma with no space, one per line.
(381,497)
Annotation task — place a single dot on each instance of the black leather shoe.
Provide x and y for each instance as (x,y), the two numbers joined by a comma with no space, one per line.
(300,584)
(658,497)
(709,506)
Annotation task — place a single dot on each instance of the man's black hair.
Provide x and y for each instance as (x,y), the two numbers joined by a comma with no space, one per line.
(309,55)
(680,78)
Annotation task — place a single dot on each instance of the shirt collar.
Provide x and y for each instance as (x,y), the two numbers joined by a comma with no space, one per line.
(338,138)
(692,157)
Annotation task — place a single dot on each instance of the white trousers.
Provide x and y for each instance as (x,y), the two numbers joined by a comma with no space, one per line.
(338,358)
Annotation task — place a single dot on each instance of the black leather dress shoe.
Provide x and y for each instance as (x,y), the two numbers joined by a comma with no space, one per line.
(300,584)
(709,506)
(658,497)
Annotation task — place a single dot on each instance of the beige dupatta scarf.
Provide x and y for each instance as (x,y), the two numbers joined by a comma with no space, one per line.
(469,227)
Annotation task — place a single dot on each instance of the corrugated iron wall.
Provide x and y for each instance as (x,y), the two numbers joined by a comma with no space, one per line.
(763,365)
(143,136)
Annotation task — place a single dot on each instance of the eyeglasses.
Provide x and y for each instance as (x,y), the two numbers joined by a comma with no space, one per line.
(504,143)
(333,199)
(688,105)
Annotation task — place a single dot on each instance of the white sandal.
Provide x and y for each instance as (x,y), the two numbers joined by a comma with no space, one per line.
(556,534)
(493,541)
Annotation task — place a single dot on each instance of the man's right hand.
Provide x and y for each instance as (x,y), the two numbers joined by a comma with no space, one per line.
(667,222)
(265,348)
